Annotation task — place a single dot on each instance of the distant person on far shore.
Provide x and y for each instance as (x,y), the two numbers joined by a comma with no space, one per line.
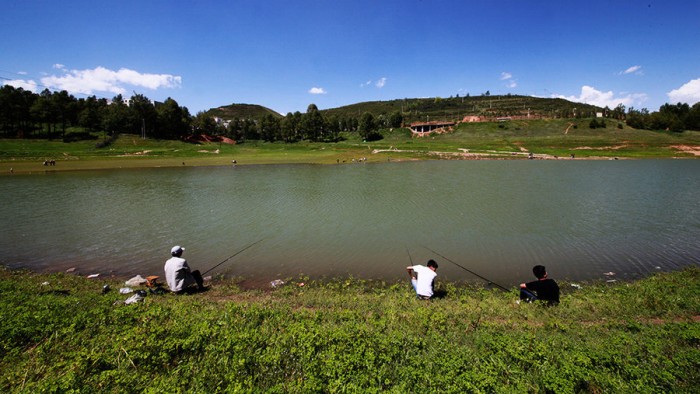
(542,289)
(178,274)
(422,279)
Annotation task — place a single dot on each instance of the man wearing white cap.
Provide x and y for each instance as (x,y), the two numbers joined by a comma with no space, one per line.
(178,273)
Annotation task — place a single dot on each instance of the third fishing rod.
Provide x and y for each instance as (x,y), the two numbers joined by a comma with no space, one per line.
(235,254)
(468,270)
(409,256)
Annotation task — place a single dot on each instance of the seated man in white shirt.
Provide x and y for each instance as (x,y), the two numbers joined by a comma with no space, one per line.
(178,273)
(422,278)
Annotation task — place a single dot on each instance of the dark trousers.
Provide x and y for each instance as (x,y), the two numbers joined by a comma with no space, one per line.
(198,278)
(527,295)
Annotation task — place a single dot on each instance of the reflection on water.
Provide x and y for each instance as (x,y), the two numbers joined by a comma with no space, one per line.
(497,218)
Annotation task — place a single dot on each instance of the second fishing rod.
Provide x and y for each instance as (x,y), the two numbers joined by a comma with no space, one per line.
(468,270)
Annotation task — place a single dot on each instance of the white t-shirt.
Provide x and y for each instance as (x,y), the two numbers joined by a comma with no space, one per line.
(177,274)
(424,283)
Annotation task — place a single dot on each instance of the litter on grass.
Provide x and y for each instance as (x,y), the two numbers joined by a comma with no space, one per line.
(139,296)
(277,283)
(136,281)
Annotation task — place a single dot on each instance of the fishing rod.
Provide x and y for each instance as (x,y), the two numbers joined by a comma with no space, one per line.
(234,255)
(409,255)
(468,270)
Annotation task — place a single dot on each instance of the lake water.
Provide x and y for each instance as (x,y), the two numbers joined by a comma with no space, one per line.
(581,219)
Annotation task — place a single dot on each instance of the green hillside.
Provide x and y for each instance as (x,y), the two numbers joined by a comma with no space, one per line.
(241,111)
(456,108)
(435,108)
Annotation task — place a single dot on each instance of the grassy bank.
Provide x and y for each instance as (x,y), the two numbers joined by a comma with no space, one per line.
(59,333)
(547,139)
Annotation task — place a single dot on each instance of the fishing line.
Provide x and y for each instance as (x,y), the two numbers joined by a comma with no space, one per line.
(468,270)
(234,255)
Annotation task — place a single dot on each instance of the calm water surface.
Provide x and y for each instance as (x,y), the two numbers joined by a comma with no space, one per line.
(498,218)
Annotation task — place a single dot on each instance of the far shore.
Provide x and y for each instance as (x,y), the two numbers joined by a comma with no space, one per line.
(543,139)
(535,140)
(16,167)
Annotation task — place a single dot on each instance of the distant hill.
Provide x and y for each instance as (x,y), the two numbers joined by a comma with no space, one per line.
(241,111)
(456,108)
(435,108)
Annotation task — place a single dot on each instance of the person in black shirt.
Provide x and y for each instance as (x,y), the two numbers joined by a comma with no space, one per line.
(543,288)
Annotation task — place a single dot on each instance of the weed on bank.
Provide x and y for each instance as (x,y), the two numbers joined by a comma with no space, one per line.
(60,333)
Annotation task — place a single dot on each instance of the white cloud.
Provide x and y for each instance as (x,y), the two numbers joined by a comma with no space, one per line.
(508,77)
(590,95)
(637,70)
(59,66)
(101,79)
(29,85)
(688,93)
(317,91)
(381,82)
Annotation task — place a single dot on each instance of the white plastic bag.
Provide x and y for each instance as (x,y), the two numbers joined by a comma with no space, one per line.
(139,296)
(276,283)
(135,281)
(133,299)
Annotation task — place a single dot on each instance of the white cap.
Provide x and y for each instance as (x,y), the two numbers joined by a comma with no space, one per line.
(176,249)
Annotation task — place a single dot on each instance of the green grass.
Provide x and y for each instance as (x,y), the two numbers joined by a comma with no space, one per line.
(545,138)
(60,334)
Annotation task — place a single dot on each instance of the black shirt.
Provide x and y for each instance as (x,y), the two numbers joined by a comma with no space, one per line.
(546,290)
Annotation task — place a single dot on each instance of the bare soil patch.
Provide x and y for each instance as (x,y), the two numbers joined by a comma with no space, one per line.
(694,149)
(614,147)
(142,153)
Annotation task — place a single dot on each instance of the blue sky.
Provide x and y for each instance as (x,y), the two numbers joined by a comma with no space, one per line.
(287,54)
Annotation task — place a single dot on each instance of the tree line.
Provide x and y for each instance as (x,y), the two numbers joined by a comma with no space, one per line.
(25,114)
(676,118)
(311,126)
(267,127)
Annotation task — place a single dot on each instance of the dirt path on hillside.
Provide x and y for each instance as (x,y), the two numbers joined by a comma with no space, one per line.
(567,129)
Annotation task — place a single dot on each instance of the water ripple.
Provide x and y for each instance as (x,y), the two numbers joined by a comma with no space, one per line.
(580,219)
